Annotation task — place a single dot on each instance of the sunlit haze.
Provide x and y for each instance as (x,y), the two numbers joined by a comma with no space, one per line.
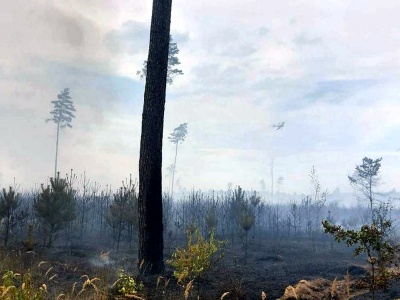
(328,69)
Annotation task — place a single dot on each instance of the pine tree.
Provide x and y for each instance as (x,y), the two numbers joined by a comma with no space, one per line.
(62,116)
(178,135)
(56,205)
(122,213)
(151,241)
(173,61)
(9,201)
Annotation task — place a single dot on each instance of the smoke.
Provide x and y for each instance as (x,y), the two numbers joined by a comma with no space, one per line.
(102,260)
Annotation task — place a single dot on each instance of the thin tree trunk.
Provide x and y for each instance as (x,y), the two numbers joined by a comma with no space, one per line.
(173,172)
(151,242)
(50,243)
(272,181)
(55,166)
(7,227)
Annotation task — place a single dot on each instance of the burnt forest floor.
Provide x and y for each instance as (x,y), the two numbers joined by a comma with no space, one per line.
(270,265)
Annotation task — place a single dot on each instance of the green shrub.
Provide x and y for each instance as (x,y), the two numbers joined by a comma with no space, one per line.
(126,285)
(370,239)
(190,262)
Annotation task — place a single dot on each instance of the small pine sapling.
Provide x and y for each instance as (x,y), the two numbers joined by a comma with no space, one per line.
(56,205)
(9,201)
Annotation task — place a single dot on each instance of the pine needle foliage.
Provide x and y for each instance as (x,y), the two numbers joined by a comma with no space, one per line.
(62,116)
(56,205)
(9,202)
(63,109)
(173,61)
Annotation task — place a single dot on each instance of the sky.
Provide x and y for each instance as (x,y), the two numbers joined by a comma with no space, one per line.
(328,69)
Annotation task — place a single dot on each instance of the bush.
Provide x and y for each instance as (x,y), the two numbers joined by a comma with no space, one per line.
(126,285)
(370,239)
(190,262)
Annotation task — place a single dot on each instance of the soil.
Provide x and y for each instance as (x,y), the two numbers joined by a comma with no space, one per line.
(270,266)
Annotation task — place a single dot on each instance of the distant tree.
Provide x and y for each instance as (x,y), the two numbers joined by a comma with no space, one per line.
(56,205)
(365,179)
(312,207)
(173,61)
(295,217)
(122,214)
(85,203)
(151,240)
(178,135)
(255,200)
(9,201)
(62,116)
(263,186)
(237,205)
(246,221)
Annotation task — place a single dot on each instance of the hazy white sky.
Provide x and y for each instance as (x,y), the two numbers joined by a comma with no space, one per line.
(329,69)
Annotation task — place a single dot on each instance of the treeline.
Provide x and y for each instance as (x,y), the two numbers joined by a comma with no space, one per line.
(70,212)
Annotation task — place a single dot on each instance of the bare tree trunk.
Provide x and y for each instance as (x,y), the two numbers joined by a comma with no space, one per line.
(151,242)
(8,221)
(55,165)
(272,180)
(173,172)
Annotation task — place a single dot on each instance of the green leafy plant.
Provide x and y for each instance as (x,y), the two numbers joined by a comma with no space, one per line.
(190,262)
(369,240)
(126,285)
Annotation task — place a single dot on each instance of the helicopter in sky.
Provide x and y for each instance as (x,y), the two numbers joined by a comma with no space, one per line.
(279,125)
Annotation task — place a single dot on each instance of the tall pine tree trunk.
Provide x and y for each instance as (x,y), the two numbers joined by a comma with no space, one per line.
(151,243)
(55,165)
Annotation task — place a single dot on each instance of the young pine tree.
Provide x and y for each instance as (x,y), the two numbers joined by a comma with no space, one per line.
(56,205)
(122,213)
(9,201)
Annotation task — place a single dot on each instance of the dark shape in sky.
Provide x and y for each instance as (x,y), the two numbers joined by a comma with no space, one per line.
(279,125)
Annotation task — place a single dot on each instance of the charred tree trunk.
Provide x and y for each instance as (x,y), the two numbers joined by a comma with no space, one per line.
(151,241)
